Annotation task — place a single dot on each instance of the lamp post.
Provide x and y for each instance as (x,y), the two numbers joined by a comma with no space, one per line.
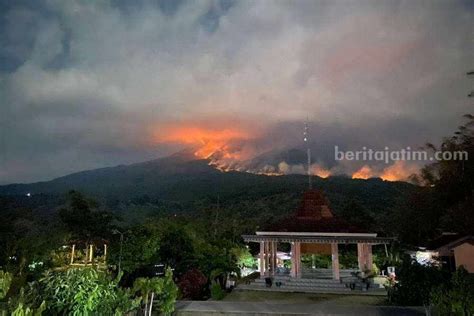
(116,231)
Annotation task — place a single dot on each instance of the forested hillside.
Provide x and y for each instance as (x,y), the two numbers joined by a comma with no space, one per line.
(181,185)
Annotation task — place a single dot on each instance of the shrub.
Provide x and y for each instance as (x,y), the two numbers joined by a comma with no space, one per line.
(24,310)
(84,291)
(455,297)
(167,298)
(193,285)
(5,282)
(27,302)
(243,257)
(162,290)
(216,292)
(414,283)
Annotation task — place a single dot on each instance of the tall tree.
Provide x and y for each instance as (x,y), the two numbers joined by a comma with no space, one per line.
(83,218)
(452,181)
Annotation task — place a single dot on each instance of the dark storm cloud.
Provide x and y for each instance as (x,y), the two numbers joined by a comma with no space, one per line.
(84,84)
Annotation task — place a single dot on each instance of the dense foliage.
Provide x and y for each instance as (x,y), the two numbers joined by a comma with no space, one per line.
(84,291)
(415,283)
(455,297)
(193,284)
(162,290)
(5,283)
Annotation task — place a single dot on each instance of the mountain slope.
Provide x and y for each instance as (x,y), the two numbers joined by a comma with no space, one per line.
(180,182)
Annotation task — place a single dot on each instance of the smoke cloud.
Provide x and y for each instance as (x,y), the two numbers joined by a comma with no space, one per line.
(91,84)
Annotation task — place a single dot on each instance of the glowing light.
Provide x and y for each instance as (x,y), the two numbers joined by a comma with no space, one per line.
(320,171)
(363,173)
(228,148)
(28,194)
(399,171)
(208,141)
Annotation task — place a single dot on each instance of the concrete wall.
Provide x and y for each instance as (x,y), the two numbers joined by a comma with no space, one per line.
(464,255)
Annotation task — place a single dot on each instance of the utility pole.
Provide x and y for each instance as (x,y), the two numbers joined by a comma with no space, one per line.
(216,220)
(116,231)
(308,152)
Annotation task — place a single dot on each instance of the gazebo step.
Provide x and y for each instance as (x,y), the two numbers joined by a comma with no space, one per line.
(298,289)
(304,285)
(307,284)
(313,290)
(300,281)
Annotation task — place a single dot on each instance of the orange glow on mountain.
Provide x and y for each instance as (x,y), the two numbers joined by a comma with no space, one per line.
(207,141)
(399,171)
(320,171)
(363,173)
(231,147)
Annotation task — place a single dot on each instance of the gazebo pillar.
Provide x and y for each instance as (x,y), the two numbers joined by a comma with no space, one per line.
(360,256)
(274,257)
(335,261)
(295,259)
(364,256)
(265,261)
(369,259)
(262,258)
(72,253)
(270,257)
(298,259)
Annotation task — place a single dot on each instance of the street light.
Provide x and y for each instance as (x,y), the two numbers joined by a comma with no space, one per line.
(116,231)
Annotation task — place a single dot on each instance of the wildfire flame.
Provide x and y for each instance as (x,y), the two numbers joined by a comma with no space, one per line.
(228,149)
(320,171)
(399,171)
(363,173)
(208,142)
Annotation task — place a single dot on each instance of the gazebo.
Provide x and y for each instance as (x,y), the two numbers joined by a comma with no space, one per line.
(90,252)
(313,229)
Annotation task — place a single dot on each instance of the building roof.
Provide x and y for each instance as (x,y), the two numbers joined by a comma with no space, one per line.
(314,206)
(450,241)
(442,240)
(314,215)
(320,239)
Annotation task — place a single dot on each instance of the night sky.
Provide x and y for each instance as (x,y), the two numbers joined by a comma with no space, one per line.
(88,84)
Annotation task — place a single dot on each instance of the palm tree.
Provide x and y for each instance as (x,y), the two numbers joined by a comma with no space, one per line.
(147,287)
(162,289)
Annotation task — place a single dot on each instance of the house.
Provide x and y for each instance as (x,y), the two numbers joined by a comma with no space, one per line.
(450,250)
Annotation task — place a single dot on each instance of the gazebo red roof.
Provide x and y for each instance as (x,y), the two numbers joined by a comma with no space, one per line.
(314,215)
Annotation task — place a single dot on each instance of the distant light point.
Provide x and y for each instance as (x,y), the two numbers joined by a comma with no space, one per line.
(28,194)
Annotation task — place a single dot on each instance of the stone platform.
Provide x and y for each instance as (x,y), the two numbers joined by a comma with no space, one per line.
(316,281)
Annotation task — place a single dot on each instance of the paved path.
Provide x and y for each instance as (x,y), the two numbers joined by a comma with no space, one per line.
(185,308)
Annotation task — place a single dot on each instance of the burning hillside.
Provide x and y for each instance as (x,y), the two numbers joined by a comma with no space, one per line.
(240,149)
(226,148)
(208,142)
(398,171)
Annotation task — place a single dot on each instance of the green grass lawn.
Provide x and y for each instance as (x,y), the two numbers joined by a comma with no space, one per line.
(262,296)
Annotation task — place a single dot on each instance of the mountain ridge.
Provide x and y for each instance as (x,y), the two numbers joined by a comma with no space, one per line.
(182,182)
